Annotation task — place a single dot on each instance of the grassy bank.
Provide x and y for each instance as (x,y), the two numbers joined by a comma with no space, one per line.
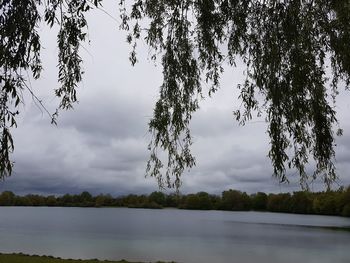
(21,258)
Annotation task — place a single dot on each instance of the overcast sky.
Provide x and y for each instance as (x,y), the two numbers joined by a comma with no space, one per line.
(101,145)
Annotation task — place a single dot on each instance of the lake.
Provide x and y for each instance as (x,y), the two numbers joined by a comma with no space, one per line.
(172,234)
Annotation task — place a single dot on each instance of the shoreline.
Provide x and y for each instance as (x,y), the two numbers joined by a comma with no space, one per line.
(26,258)
(332,203)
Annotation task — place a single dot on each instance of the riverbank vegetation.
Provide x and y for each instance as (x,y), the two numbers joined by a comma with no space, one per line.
(322,203)
(21,258)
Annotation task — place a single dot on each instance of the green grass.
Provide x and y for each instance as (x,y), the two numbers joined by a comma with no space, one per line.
(21,258)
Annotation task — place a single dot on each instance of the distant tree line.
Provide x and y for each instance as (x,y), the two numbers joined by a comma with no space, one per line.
(321,203)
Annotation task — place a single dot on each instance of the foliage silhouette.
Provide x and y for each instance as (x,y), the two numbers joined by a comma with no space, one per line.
(286,46)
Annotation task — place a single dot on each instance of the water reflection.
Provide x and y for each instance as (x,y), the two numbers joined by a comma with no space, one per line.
(170,234)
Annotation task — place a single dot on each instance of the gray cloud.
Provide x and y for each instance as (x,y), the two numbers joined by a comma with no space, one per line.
(101,146)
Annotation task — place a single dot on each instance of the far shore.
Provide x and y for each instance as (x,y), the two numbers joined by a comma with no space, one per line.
(23,258)
(335,202)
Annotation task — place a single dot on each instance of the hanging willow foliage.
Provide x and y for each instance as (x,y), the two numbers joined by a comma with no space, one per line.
(286,45)
(20,54)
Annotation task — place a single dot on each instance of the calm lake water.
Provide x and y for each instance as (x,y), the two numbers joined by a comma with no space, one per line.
(171,234)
